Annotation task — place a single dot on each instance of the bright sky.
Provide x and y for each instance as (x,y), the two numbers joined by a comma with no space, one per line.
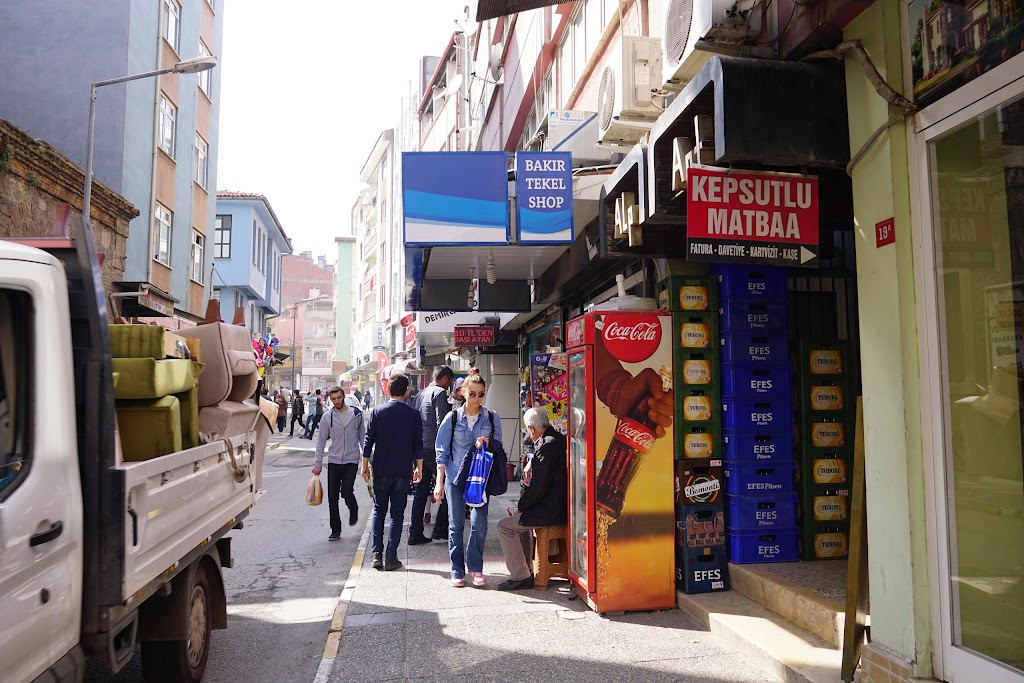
(306,89)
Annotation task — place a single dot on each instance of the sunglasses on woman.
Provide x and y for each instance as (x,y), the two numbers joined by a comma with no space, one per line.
(475,394)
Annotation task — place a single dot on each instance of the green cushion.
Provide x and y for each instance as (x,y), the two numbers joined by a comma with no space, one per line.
(149,428)
(189,401)
(136,341)
(148,378)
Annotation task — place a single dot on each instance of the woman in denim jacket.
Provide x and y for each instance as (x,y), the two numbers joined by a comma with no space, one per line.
(472,425)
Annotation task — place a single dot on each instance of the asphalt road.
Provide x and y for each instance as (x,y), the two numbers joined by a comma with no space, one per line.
(285,584)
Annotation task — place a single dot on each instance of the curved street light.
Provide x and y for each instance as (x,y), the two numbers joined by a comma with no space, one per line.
(187,66)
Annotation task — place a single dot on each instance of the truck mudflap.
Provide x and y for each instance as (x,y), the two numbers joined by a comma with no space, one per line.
(180,502)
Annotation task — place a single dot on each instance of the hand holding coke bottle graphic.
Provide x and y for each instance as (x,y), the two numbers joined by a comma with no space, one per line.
(642,403)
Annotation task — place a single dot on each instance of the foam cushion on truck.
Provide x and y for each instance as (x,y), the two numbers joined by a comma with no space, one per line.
(149,428)
(227,418)
(264,428)
(231,373)
(148,378)
(189,417)
(136,341)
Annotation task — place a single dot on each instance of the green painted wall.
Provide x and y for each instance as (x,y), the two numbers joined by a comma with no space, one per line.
(899,584)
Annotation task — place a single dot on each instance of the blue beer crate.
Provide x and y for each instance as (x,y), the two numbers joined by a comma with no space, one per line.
(737,316)
(758,447)
(754,347)
(704,570)
(751,283)
(756,380)
(753,479)
(751,415)
(754,546)
(773,511)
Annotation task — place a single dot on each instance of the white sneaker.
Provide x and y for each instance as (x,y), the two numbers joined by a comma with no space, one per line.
(478,579)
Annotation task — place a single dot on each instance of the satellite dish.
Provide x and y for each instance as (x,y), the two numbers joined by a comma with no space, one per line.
(494,64)
(454,87)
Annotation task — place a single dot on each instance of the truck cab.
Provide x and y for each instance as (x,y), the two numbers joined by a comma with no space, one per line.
(40,489)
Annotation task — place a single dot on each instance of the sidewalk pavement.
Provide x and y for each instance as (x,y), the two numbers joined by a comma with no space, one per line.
(410,625)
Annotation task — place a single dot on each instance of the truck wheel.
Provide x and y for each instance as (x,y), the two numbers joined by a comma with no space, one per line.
(183,661)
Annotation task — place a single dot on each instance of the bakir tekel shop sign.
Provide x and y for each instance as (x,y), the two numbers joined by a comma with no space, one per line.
(751,217)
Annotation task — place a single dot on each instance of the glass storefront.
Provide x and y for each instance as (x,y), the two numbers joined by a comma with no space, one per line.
(977,191)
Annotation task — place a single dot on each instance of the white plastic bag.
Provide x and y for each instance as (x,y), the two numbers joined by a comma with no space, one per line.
(314,491)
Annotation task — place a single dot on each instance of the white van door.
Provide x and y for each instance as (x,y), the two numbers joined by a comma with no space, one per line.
(40,494)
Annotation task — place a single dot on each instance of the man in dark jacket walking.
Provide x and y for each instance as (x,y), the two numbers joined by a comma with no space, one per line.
(298,411)
(432,404)
(542,504)
(394,439)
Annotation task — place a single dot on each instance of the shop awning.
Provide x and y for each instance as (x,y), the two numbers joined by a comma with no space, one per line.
(766,114)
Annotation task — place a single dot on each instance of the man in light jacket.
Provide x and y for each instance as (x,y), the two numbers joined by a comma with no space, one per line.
(343,425)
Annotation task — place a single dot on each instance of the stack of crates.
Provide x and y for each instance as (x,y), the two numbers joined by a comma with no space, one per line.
(826,432)
(701,558)
(757,415)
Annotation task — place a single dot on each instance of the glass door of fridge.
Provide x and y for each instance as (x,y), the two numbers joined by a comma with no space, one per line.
(581,484)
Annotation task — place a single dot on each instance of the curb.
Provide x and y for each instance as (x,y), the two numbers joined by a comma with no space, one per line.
(334,632)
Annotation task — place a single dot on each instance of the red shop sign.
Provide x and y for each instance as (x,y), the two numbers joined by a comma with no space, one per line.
(751,217)
(476,335)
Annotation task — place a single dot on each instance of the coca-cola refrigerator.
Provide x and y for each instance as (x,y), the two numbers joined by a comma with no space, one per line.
(621,524)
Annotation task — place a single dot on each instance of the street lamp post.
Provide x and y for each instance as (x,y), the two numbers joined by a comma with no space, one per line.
(188,66)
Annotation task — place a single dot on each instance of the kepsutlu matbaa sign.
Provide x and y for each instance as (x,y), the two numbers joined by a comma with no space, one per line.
(751,217)
(544,197)
(475,335)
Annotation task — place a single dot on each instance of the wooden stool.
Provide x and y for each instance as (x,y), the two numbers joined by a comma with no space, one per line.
(546,565)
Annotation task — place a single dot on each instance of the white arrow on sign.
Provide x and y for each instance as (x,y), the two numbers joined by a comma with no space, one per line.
(806,255)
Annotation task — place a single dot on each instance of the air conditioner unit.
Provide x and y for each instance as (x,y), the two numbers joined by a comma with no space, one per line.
(626,109)
(566,130)
(696,29)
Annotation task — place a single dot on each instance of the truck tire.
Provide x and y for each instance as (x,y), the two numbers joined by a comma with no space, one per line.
(183,661)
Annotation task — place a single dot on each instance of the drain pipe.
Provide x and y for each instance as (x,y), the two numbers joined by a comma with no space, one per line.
(877,82)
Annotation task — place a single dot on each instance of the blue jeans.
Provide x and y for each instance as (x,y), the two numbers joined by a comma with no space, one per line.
(312,422)
(461,556)
(393,493)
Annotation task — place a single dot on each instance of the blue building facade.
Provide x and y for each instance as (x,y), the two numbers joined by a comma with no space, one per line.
(156,139)
(248,245)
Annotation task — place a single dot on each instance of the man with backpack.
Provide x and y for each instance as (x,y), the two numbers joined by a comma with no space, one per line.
(343,425)
(432,404)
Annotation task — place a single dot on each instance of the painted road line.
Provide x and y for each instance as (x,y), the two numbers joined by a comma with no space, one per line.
(323,672)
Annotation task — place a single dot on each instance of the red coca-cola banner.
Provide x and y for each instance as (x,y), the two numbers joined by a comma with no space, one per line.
(751,217)
(574,333)
(631,338)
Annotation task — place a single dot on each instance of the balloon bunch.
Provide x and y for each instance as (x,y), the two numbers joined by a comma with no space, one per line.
(263,348)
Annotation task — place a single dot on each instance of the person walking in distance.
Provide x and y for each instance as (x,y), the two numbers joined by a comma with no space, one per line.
(472,426)
(543,503)
(298,412)
(343,425)
(432,405)
(394,437)
(316,411)
(282,410)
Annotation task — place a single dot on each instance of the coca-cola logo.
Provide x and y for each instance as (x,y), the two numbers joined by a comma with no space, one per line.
(635,435)
(632,338)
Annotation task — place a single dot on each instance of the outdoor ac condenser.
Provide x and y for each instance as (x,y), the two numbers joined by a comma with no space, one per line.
(696,29)
(626,107)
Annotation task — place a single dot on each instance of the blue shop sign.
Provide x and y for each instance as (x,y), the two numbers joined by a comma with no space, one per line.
(544,197)
(455,198)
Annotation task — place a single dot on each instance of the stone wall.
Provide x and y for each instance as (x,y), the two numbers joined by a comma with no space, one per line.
(35,179)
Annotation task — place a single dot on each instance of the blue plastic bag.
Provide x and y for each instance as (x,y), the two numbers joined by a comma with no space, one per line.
(475,493)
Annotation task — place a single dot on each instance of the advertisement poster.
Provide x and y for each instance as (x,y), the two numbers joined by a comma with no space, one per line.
(751,217)
(632,444)
(549,386)
(952,43)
